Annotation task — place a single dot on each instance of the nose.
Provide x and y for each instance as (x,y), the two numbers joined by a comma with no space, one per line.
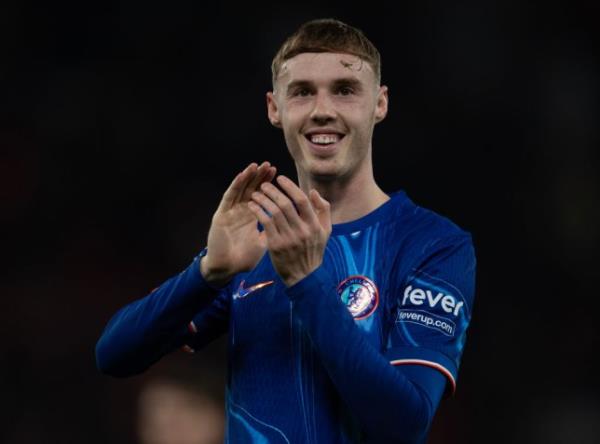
(323,111)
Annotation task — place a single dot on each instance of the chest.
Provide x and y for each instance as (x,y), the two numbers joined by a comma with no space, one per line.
(365,268)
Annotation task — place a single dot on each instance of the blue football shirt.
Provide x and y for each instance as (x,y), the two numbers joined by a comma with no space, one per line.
(358,351)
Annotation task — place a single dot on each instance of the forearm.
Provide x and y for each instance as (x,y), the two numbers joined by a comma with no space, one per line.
(378,394)
(142,332)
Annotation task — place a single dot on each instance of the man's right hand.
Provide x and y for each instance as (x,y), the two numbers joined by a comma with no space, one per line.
(234,242)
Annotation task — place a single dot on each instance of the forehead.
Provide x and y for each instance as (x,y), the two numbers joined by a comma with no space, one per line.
(323,67)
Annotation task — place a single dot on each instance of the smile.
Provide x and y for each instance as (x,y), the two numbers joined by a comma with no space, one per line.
(323,143)
(324,139)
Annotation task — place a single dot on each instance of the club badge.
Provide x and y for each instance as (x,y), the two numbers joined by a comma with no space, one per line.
(360,295)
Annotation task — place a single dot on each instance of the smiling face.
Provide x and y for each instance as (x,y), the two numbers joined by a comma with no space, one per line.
(327,105)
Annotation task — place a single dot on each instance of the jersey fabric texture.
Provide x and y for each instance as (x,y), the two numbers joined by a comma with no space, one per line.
(359,351)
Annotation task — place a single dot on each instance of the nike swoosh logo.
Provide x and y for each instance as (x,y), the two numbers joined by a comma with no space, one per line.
(242,291)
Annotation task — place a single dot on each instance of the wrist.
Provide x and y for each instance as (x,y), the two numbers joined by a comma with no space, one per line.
(311,285)
(290,281)
(293,280)
(213,277)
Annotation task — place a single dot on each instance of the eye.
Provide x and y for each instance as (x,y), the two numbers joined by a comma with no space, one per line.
(302,92)
(345,91)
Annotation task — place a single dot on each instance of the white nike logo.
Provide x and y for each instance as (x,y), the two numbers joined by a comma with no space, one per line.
(243,292)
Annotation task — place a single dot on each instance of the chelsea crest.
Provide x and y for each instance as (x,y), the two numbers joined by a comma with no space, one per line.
(360,295)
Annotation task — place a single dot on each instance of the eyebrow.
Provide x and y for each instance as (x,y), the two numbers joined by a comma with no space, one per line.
(298,84)
(344,81)
(348,81)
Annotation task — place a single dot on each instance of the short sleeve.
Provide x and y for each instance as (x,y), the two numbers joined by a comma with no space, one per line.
(433,309)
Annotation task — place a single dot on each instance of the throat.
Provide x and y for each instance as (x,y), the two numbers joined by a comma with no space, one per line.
(349,203)
(351,209)
(351,195)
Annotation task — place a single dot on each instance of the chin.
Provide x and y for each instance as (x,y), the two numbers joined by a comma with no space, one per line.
(324,170)
(324,177)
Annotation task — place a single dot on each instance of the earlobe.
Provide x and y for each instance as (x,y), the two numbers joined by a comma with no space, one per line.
(272,110)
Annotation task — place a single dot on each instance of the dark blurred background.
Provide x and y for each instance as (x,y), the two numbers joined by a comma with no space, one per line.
(121,123)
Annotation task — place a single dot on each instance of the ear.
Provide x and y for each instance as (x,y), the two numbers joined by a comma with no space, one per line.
(381,108)
(273,110)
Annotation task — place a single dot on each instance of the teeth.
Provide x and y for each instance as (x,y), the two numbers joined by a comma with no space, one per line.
(324,139)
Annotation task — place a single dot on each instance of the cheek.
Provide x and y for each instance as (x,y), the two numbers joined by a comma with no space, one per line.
(292,142)
(362,126)
(289,126)
(292,124)
(294,114)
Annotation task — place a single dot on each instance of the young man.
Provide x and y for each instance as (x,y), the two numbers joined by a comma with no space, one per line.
(347,308)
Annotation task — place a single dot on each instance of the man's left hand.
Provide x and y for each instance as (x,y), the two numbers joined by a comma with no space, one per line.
(297,229)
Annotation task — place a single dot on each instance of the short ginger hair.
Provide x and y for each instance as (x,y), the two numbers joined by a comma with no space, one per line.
(327,35)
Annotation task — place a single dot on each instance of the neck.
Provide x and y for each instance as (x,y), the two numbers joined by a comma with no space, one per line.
(350,198)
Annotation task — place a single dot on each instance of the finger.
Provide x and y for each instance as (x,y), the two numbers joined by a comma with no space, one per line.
(299,198)
(271,174)
(236,187)
(275,213)
(264,219)
(322,208)
(284,203)
(268,177)
(261,173)
(256,173)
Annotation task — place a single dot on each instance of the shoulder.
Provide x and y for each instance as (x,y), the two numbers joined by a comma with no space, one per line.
(424,223)
(423,218)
